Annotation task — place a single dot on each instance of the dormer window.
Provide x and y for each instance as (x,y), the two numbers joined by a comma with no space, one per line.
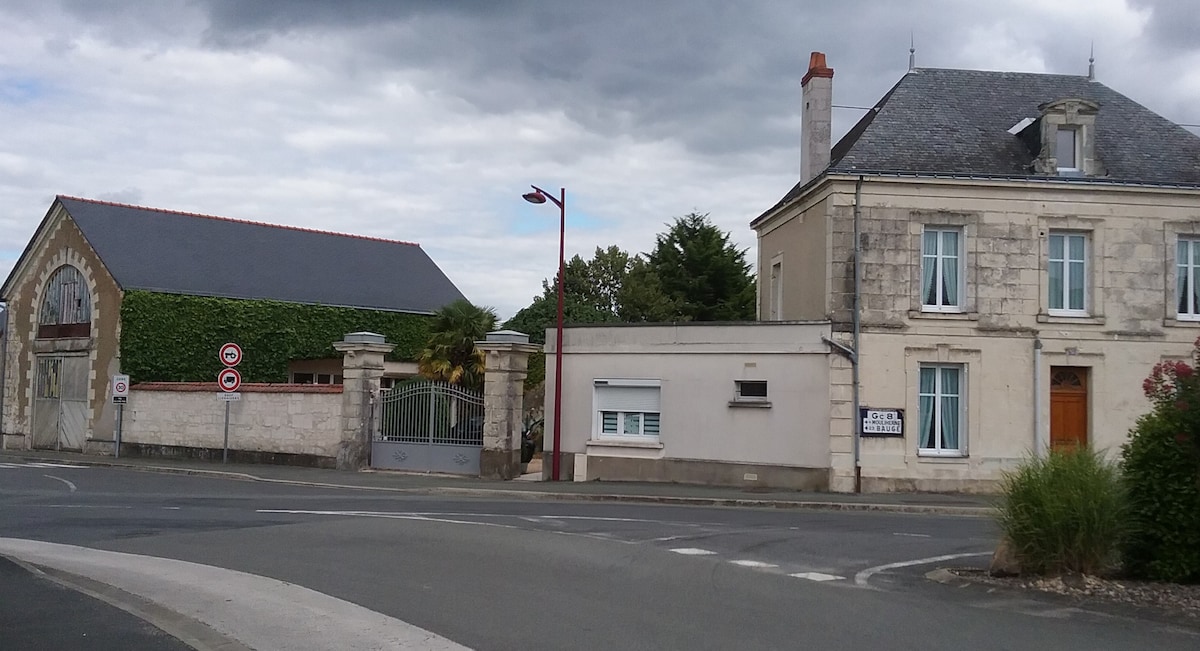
(1067,151)
(1067,143)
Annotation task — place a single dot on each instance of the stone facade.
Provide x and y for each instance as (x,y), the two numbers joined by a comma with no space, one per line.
(279,419)
(1130,322)
(59,243)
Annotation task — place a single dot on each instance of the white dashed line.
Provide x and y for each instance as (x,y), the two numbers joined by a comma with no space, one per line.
(912,535)
(754,564)
(692,551)
(817,576)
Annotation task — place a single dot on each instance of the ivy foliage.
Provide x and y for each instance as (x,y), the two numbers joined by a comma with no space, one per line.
(175,338)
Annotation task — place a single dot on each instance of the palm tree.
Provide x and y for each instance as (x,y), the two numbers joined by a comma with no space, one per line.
(450,355)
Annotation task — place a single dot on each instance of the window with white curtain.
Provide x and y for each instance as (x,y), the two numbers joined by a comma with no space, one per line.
(941,270)
(1068,269)
(941,407)
(1187,272)
(627,408)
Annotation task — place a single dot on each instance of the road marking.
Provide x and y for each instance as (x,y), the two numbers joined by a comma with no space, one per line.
(390,516)
(817,576)
(755,564)
(69,484)
(45,464)
(912,535)
(693,551)
(861,579)
(39,464)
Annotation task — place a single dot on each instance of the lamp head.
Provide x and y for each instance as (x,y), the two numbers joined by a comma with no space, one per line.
(534,197)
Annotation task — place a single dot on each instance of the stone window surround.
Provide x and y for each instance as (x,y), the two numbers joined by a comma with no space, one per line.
(968,222)
(1094,265)
(1078,115)
(1172,233)
(775,288)
(969,395)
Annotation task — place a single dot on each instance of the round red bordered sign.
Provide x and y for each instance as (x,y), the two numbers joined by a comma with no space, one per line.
(120,387)
(229,380)
(231,354)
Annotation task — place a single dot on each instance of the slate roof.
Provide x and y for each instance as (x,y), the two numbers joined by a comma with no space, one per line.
(184,253)
(955,122)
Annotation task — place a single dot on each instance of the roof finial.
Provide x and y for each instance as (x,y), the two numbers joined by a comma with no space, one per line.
(1092,63)
(912,51)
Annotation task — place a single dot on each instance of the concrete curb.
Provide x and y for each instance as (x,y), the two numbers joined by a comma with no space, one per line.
(508,493)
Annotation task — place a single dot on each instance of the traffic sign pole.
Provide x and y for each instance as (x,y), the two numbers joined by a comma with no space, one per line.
(228,380)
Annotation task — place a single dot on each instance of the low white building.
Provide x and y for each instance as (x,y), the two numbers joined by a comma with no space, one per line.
(724,404)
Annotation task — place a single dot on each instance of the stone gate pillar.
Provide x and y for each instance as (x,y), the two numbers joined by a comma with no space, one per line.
(506,355)
(362,368)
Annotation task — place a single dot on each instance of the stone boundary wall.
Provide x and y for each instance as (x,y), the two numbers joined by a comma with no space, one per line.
(299,419)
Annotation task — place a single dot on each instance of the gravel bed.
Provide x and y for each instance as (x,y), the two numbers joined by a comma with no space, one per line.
(1168,598)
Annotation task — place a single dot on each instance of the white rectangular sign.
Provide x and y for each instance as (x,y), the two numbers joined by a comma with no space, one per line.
(229,396)
(882,422)
(120,389)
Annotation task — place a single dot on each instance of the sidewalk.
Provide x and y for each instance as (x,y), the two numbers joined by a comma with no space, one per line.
(595,491)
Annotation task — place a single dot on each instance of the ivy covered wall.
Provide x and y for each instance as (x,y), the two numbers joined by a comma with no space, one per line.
(174,338)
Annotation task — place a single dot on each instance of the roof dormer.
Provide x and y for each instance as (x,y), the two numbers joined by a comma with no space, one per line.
(1068,139)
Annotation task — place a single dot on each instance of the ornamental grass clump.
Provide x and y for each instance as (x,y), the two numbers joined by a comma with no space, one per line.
(1065,512)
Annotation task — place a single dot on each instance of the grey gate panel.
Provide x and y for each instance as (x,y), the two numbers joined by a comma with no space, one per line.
(72,415)
(60,403)
(429,427)
(45,402)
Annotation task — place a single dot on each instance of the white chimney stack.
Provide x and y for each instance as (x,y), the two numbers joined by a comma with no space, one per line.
(816,120)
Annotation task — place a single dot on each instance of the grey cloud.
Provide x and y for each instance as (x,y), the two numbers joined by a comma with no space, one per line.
(1174,24)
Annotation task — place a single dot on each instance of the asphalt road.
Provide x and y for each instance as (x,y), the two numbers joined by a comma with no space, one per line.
(496,575)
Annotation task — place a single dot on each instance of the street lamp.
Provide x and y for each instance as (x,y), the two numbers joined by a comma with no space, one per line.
(540,196)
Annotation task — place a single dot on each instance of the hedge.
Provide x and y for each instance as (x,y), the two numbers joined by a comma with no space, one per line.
(174,338)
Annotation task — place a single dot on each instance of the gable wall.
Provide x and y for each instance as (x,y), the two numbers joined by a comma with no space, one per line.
(60,243)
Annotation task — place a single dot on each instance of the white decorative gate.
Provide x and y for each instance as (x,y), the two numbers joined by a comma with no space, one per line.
(430,427)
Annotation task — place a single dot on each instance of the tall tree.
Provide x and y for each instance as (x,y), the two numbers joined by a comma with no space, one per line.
(450,355)
(700,268)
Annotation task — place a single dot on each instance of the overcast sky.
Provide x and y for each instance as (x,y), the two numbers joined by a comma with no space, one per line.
(425,120)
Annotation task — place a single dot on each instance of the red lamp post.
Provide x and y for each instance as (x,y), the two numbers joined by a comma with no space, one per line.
(541,196)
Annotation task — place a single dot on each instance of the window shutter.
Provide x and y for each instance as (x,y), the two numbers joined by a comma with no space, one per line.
(627,398)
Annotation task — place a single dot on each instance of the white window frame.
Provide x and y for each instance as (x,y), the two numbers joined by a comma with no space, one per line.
(1077,150)
(943,304)
(598,412)
(1186,267)
(737,391)
(938,395)
(1066,262)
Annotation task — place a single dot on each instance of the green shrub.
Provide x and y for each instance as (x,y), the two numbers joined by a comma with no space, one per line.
(174,338)
(1064,512)
(1161,466)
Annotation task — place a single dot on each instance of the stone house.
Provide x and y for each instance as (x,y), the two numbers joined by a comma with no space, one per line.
(64,300)
(1003,257)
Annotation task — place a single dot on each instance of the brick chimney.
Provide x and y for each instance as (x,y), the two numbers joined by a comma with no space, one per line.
(816,117)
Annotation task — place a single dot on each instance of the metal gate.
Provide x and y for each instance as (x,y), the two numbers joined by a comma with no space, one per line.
(430,427)
(60,404)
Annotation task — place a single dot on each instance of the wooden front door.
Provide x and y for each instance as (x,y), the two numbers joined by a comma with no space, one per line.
(1068,407)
